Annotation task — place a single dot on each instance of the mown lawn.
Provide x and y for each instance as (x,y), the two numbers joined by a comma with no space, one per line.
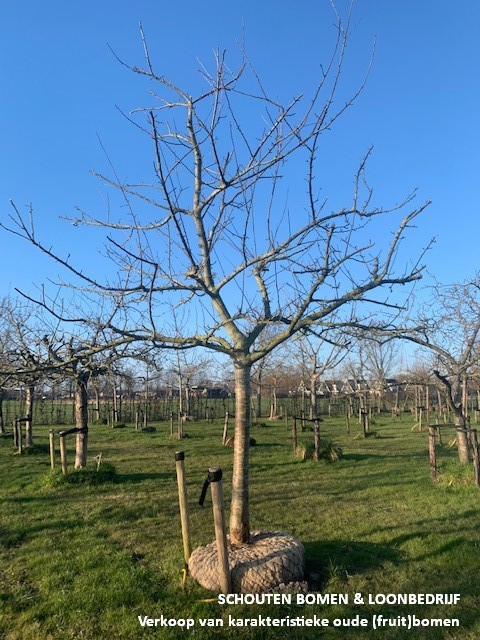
(82,561)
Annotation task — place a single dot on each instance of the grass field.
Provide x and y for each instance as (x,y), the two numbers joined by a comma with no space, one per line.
(83,561)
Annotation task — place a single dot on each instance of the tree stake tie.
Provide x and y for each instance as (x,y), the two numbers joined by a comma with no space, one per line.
(213,476)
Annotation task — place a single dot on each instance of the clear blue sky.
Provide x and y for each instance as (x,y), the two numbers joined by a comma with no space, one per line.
(60,85)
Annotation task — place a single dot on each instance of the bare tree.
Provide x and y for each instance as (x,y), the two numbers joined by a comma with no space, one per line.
(224,252)
(380,360)
(315,357)
(449,328)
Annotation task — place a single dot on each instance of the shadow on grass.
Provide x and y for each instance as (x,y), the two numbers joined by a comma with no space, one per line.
(127,478)
(326,558)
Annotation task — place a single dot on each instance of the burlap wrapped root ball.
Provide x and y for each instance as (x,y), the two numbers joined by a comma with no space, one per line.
(271,559)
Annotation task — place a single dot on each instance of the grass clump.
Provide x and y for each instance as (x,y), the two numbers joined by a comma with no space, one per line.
(91,475)
(106,472)
(328,451)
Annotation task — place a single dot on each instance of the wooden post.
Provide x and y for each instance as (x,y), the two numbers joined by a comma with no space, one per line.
(215,475)
(365,422)
(316,437)
(225,429)
(476,467)
(171,423)
(136,420)
(19,436)
(15,433)
(347,418)
(182,499)
(63,455)
(52,448)
(180,425)
(433,454)
(294,434)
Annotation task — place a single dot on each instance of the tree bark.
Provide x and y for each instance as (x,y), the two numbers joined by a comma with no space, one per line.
(81,419)
(460,422)
(463,446)
(239,512)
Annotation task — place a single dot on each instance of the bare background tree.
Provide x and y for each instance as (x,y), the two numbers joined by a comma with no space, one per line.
(449,328)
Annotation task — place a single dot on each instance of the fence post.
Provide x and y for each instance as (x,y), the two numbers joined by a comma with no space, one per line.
(182,499)
(52,449)
(433,454)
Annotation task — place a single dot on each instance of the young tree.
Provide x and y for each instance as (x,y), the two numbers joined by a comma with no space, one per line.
(223,251)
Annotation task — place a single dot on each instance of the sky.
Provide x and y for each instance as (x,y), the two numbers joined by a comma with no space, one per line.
(62,90)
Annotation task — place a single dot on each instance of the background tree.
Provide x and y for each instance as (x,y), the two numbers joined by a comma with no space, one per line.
(380,360)
(449,328)
(315,357)
(224,240)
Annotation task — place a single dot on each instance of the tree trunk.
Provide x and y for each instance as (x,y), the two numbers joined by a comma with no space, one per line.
(462,438)
(313,397)
(81,419)
(29,415)
(239,511)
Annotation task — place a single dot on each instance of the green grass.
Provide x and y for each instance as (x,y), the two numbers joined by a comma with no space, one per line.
(83,560)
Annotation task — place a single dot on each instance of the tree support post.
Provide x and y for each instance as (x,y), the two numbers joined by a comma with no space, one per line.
(225,429)
(63,454)
(15,433)
(476,463)
(294,435)
(182,499)
(215,476)
(432,452)
(316,436)
(51,439)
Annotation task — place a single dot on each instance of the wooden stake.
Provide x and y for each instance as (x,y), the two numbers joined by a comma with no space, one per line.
(433,454)
(225,429)
(15,433)
(294,434)
(220,530)
(171,423)
(365,422)
(63,455)
(316,437)
(52,448)
(182,499)
(19,437)
(476,467)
